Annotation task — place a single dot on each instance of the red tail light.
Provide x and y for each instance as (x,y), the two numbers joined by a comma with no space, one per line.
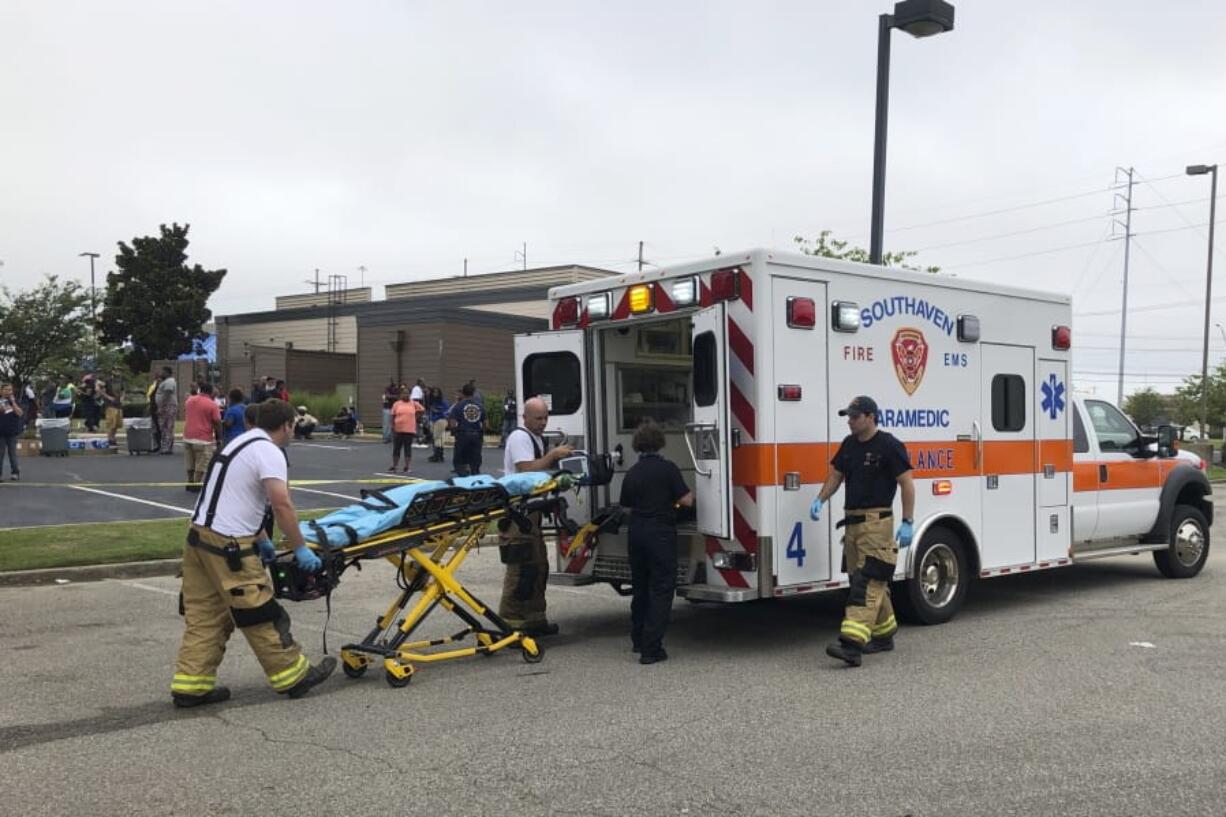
(566,313)
(726,284)
(1061,338)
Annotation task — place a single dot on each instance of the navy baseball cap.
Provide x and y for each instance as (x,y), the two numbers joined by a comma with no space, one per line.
(860,405)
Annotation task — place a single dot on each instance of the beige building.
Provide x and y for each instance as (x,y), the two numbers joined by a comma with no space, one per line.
(445,331)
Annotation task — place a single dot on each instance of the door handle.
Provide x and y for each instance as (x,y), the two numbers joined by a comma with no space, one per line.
(977,438)
(1102,473)
(690,428)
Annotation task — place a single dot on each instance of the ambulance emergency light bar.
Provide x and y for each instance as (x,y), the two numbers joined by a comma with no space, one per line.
(640,299)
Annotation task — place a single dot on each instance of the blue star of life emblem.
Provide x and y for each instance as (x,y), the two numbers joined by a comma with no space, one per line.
(1053,396)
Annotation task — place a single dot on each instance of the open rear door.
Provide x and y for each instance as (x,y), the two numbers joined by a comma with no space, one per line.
(552,365)
(708,436)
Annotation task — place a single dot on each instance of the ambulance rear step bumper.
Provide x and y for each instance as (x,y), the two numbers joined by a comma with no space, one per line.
(715,592)
(617,569)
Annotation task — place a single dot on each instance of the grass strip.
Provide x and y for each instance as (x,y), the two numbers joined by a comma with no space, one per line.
(98,543)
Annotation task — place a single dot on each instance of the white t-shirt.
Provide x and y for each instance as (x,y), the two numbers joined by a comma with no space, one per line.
(240,508)
(519,449)
(416,393)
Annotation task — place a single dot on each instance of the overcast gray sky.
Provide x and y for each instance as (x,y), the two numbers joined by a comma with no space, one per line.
(406,136)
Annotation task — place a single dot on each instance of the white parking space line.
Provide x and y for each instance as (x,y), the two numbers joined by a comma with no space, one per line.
(321,445)
(324,493)
(176,508)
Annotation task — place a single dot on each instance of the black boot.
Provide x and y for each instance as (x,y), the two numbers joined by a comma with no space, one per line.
(214,696)
(315,676)
(848,651)
(879,645)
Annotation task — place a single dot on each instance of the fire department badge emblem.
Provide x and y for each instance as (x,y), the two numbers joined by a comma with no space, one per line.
(910,352)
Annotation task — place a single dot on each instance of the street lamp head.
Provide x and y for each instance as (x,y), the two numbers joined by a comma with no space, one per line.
(923,18)
(88,255)
(1200,170)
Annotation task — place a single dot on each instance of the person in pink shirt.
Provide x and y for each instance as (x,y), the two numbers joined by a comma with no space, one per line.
(201,429)
(404,428)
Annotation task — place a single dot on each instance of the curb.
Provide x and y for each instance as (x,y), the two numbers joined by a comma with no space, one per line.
(90,573)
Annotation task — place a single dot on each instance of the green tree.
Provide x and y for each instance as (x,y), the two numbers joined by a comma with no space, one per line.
(155,302)
(1145,406)
(834,248)
(43,330)
(1186,409)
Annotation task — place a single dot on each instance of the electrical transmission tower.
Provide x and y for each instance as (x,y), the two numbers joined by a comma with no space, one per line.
(1123,181)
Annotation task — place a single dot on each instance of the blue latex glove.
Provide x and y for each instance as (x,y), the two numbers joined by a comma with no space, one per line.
(268,551)
(306,559)
(815,510)
(903,537)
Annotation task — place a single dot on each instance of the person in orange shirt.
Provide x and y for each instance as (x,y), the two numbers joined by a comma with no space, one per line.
(200,431)
(404,428)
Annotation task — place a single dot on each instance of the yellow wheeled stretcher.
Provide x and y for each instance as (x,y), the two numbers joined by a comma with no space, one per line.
(430,540)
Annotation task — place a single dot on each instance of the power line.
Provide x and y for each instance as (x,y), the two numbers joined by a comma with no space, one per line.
(1001,211)
(1011,234)
(1023,255)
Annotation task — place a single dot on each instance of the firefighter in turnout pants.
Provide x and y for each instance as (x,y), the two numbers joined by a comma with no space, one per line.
(524,552)
(875,464)
(225,584)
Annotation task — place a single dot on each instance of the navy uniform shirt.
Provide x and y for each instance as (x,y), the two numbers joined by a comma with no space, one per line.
(469,416)
(651,487)
(871,470)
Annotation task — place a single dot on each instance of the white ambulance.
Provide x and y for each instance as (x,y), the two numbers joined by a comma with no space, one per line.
(745,361)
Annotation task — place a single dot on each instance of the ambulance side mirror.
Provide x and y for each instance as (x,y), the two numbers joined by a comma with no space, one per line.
(1167,437)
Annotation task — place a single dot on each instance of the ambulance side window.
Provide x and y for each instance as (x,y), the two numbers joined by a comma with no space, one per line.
(705,368)
(1081,443)
(1008,402)
(555,374)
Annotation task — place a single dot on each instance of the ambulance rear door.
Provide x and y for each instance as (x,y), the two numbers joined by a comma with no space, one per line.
(708,436)
(553,366)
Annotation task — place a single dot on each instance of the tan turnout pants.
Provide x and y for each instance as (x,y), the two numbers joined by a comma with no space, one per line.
(871,555)
(523,586)
(216,599)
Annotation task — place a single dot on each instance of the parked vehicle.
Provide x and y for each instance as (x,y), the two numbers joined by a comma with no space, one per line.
(745,360)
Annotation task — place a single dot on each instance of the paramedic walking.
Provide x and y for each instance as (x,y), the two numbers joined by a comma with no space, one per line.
(225,584)
(467,423)
(524,552)
(652,491)
(875,464)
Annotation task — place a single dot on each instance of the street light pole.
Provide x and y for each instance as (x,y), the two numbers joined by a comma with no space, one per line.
(919,18)
(93,303)
(1201,170)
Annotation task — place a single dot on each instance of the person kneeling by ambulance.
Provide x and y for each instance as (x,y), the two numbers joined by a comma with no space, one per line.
(225,584)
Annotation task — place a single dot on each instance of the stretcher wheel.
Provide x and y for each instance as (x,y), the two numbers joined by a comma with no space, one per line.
(353,672)
(534,659)
(395,682)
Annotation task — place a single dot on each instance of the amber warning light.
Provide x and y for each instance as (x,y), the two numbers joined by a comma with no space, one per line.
(942,487)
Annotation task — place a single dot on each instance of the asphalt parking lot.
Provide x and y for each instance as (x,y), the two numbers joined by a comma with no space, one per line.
(1092,690)
(325,473)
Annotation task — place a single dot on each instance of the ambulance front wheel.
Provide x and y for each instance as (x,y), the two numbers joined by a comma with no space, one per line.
(937,587)
(1189,544)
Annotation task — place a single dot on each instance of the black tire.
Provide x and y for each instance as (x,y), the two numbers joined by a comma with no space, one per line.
(1189,544)
(396,683)
(353,672)
(534,659)
(941,576)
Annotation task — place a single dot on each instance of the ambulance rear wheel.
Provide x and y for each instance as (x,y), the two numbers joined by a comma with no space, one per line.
(937,587)
(1189,547)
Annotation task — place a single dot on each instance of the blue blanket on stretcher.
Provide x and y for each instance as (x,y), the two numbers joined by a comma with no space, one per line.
(364,521)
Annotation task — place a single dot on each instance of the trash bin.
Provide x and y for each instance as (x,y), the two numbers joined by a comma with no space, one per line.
(139,433)
(53,436)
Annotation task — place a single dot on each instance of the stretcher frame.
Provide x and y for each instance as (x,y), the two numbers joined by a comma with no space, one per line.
(437,532)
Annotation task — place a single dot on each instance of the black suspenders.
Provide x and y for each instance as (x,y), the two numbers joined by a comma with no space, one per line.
(536,447)
(219,465)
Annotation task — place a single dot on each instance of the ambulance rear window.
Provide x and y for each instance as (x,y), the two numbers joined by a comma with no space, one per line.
(1008,402)
(705,370)
(555,375)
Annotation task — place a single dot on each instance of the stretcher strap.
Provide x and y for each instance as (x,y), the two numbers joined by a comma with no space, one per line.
(384,502)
